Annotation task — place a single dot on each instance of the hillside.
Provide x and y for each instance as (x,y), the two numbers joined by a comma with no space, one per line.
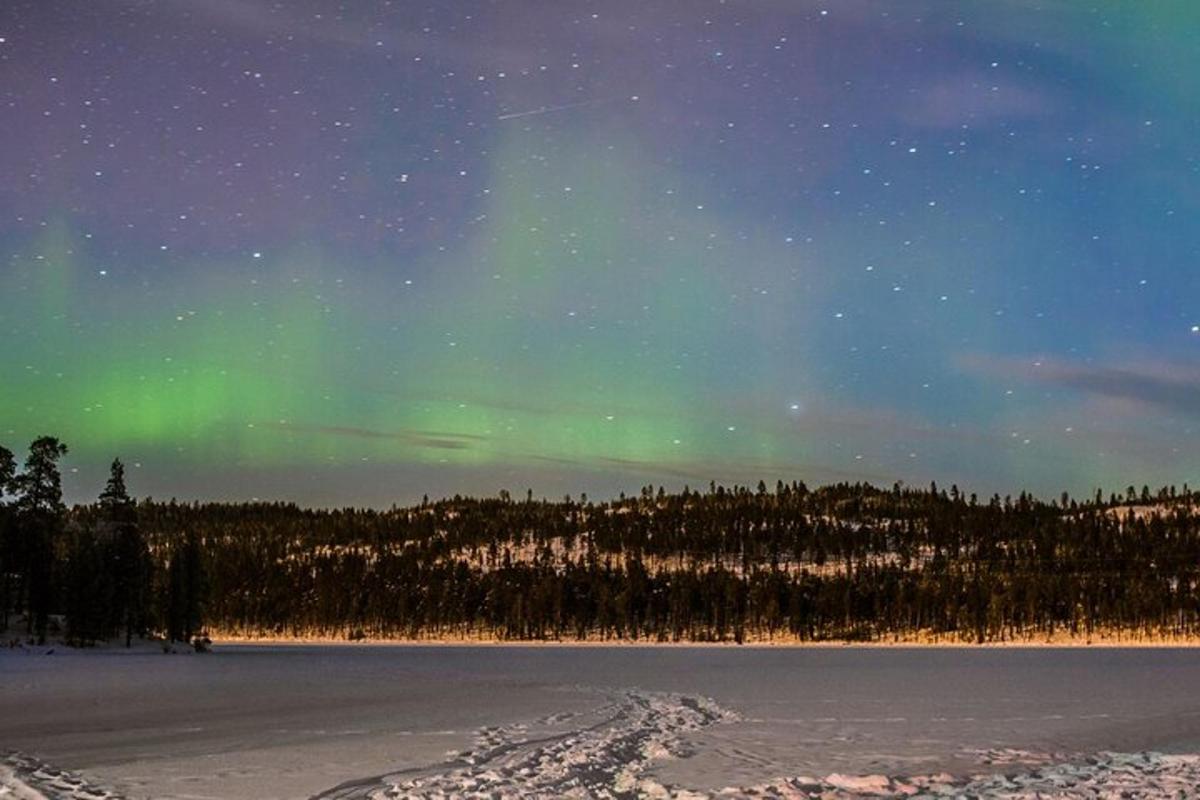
(845,562)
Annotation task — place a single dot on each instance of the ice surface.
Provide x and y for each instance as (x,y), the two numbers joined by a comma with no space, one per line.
(389,722)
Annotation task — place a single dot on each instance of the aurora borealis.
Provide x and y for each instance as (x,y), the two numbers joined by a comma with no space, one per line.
(361,252)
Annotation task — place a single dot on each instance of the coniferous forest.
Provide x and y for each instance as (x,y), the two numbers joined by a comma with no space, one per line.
(842,562)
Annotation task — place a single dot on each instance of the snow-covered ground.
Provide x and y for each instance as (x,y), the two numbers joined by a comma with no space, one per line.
(391,722)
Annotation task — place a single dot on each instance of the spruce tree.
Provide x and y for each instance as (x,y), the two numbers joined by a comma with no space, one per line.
(128,560)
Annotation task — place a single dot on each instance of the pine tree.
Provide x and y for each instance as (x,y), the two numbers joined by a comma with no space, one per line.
(39,511)
(8,542)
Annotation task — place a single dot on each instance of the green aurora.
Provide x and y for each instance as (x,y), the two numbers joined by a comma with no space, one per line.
(363,261)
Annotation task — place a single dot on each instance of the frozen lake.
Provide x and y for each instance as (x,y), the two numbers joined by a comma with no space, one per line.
(383,721)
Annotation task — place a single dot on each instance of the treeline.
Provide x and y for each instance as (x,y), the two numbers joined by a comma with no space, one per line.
(100,579)
(843,562)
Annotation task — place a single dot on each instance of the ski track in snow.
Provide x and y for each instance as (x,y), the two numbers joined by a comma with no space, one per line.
(606,751)
(25,778)
(599,753)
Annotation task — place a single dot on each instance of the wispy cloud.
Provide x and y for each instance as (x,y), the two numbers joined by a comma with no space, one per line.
(435,439)
(1168,387)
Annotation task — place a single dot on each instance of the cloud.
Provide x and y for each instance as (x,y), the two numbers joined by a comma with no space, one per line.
(1171,388)
(435,439)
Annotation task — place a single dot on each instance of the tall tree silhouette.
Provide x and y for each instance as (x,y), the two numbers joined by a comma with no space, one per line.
(127,558)
(39,512)
(8,539)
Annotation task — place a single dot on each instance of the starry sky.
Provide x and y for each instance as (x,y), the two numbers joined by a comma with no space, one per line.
(358,252)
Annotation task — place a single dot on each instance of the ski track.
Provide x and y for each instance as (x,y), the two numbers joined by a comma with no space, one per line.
(605,753)
(600,753)
(23,777)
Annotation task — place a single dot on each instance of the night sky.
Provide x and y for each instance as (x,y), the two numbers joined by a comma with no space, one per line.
(354,253)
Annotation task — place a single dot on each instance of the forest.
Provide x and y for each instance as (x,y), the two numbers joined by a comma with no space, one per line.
(846,562)
(88,572)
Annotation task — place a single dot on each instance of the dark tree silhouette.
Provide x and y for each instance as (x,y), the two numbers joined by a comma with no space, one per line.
(9,553)
(127,558)
(39,511)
